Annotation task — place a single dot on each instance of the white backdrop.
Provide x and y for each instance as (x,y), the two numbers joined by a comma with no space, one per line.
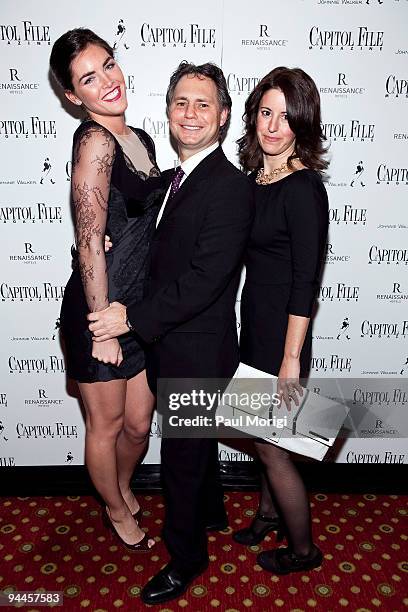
(357,53)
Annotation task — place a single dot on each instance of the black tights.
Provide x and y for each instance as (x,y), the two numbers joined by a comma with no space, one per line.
(283,493)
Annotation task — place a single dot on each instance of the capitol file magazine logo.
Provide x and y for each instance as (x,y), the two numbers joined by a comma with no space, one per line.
(156,128)
(381,255)
(28,127)
(31,293)
(238,84)
(395,295)
(192,35)
(264,39)
(51,364)
(361,38)
(339,292)
(31,213)
(396,87)
(25,32)
(347,214)
(353,131)
(337,364)
(342,88)
(39,431)
(16,84)
(384,329)
(387,174)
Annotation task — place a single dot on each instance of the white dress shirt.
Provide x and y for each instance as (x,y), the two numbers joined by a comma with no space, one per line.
(188,166)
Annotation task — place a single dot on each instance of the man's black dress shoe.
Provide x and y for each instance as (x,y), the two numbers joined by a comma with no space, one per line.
(217,525)
(169,583)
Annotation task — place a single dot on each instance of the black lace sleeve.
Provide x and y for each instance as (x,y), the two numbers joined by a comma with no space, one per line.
(93,157)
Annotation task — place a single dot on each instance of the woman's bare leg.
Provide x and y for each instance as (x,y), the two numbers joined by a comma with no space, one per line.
(132,440)
(105,408)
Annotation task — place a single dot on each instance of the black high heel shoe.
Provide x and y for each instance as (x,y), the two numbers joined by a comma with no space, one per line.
(285,561)
(141,546)
(249,537)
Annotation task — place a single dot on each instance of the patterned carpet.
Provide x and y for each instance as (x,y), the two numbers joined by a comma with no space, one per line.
(59,544)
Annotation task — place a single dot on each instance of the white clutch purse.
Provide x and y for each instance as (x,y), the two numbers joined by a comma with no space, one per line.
(250,406)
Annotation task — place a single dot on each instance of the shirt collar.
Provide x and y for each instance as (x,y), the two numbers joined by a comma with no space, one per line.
(192,162)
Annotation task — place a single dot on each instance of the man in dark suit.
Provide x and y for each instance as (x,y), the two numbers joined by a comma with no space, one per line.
(187,319)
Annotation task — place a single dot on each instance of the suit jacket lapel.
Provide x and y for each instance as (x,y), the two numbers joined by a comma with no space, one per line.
(201,173)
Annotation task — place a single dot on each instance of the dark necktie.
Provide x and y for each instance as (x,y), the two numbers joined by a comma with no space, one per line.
(175,183)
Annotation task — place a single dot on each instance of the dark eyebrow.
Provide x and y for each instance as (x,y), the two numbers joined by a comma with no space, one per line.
(269,109)
(87,74)
(197,100)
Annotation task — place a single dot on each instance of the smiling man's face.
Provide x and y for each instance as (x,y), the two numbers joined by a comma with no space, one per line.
(195,115)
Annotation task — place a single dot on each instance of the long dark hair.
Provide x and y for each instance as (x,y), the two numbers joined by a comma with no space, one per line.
(67,48)
(304,118)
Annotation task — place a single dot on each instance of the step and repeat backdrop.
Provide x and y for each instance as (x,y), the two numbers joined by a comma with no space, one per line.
(356,50)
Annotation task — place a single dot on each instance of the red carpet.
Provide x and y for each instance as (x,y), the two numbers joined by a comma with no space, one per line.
(59,544)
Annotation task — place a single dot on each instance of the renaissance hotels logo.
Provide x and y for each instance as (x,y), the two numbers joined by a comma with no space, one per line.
(360,38)
(193,35)
(394,295)
(265,39)
(25,32)
(342,87)
(16,84)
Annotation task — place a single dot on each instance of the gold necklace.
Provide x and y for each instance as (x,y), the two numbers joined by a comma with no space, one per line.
(266,178)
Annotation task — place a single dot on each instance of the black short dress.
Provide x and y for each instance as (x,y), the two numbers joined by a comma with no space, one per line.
(283,264)
(132,207)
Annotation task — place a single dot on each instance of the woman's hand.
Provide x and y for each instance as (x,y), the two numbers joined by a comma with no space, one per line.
(108,351)
(108,244)
(288,381)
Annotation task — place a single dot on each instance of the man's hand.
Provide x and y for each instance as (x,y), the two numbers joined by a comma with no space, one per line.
(108,244)
(108,351)
(108,323)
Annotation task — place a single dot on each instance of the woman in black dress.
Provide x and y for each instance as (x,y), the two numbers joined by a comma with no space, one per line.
(115,183)
(283,147)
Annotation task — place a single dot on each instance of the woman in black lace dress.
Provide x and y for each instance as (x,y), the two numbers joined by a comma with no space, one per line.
(115,186)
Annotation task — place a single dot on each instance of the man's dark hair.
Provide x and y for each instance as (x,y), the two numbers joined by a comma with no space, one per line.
(67,48)
(304,118)
(211,71)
